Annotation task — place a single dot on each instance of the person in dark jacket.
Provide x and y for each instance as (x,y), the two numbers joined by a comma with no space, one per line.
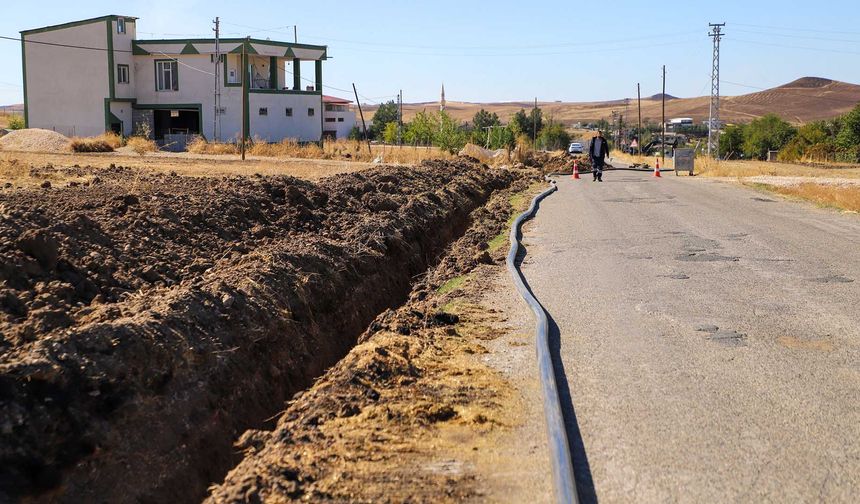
(597,151)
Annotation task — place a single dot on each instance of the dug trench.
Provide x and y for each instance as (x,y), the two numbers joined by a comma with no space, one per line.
(148,320)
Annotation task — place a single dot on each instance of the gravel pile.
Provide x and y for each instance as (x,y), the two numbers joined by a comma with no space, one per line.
(35,140)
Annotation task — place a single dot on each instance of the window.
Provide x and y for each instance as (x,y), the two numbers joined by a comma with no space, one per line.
(311,112)
(340,119)
(120,25)
(329,119)
(289,112)
(264,111)
(329,107)
(166,75)
(122,74)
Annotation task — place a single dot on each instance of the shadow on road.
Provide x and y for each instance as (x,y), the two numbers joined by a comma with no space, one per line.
(581,468)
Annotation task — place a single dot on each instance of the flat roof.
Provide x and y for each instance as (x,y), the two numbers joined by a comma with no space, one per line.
(334,99)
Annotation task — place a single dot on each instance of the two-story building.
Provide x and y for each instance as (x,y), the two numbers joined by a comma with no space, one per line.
(87,77)
(338,117)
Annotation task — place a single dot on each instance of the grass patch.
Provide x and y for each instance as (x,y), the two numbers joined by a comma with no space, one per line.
(452,284)
(519,202)
(828,196)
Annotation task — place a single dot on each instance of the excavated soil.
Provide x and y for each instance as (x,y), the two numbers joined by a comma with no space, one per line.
(410,413)
(148,320)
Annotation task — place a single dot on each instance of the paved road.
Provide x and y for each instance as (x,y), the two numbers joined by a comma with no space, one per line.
(709,336)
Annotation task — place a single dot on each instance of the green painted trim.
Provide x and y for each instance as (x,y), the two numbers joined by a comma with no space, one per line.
(189,49)
(24,75)
(111,77)
(72,24)
(136,50)
(297,74)
(155,74)
(273,72)
(227,84)
(168,106)
(230,41)
(290,53)
(318,85)
(284,91)
(237,50)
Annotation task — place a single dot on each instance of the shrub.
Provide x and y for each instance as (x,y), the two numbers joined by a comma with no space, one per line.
(199,145)
(94,144)
(142,145)
(16,122)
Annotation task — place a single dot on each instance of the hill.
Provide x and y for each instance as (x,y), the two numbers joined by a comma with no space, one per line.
(803,100)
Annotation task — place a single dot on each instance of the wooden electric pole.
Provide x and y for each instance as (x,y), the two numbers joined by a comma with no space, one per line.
(246,71)
(663,137)
(639,129)
(361,114)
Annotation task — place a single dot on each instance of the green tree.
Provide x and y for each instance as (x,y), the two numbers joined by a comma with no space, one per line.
(849,134)
(448,136)
(766,133)
(420,131)
(355,133)
(732,141)
(484,119)
(386,113)
(502,137)
(814,133)
(526,124)
(554,137)
(390,133)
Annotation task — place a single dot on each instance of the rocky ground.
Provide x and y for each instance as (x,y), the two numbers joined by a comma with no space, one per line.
(147,321)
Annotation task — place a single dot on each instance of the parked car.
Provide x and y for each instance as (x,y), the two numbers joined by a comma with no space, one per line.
(575,148)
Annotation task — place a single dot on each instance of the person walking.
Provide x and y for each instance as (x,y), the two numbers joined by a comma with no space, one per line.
(597,151)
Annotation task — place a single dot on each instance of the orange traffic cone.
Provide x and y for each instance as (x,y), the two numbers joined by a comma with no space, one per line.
(657,168)
(575,169)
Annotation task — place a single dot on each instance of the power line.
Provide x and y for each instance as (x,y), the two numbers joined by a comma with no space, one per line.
(784,46)
(785,28)
(795,36)
(70,46)
(830,98)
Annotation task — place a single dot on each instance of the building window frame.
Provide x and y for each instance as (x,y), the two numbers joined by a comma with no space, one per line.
(122,74)
(289,111)
(120,26)
(166,69)
(264,111)
(311,112)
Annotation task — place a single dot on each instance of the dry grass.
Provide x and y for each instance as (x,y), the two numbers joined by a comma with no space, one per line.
(345,150)
(841,197)
(106,142)
(142,145)
(735,168)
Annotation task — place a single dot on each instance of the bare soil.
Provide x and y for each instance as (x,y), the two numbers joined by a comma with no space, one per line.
(411,414)
(145,327)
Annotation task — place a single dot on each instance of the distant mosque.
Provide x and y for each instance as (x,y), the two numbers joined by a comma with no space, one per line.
(442,99)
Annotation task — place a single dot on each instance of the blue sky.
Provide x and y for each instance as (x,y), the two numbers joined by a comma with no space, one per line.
(503,51)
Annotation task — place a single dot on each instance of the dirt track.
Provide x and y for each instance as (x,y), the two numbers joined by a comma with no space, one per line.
(147,324)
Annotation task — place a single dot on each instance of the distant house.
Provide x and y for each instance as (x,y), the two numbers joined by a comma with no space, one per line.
(87,77)
(338,117)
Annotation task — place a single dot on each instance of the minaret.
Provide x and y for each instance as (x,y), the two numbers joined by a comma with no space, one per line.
(442,100)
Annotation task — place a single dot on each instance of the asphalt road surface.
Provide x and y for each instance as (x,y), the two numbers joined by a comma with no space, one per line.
(708,337)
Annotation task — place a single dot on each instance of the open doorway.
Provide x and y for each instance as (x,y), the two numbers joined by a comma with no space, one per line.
(176,122)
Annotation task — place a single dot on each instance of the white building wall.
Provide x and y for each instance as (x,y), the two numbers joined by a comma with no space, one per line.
(122,110)
(276,126)
(122,56)
(342,124)
(66,87)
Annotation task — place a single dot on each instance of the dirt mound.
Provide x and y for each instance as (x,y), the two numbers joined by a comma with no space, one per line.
(148,319)
(35,140)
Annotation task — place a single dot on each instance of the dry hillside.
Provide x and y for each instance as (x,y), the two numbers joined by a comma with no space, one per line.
(806,99)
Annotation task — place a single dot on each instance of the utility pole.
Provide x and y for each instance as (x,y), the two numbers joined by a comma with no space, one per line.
(246,75)
(714,116)
(663,136)
(361,114)
(534,125)
(295,34)
(400,119)
(639,129)
(217,115)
